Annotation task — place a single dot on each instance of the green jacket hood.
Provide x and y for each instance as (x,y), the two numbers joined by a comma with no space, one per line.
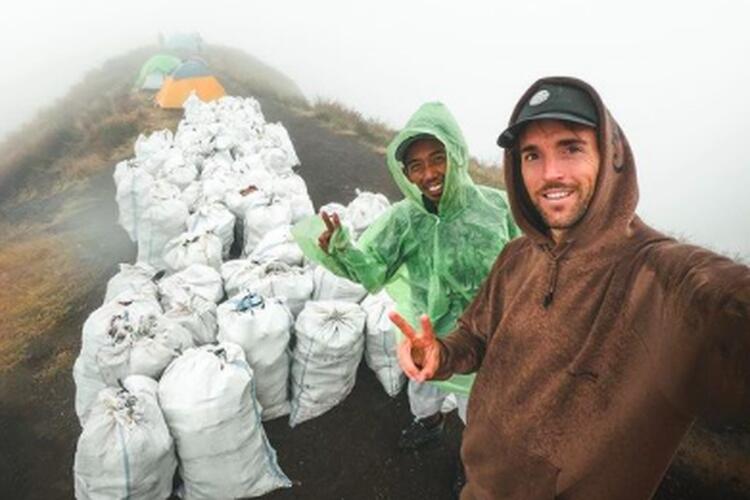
(433,118)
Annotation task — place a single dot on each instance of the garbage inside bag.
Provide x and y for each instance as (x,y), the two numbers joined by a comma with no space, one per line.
(125,449)
(139,277)
(328,286)
(193,248)
(278,244)
(208,399)
(271,279)
(262,327)
(217,219)
(196,279)
(380,343)
(326,355)
(146,349)
(365,209)
(121,314)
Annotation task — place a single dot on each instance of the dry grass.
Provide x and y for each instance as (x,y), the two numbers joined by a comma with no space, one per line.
(244,75)
(39,278)
(376,134)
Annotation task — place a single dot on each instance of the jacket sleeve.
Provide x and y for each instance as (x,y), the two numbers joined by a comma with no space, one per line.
(463,350)
(371,262)
(702,346)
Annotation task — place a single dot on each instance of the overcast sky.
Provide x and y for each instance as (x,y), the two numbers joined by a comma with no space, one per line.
(675,76)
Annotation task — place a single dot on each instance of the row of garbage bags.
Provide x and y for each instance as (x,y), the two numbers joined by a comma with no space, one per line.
(193,349)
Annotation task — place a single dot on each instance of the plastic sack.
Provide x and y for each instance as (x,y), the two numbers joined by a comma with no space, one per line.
(177,171)
(279,137)
(193,248)
(196,279)
(293,188)
(122,314)
(380,343)
(365,209)
(278,244)
(125,449)
(262,328)
(265,214)
(272,279)
(133,185)
(208,399)
(194,313)
(217,219)
(139,277)
(144,350)
(326,355)
(328,286)
(163,220)
(149,145)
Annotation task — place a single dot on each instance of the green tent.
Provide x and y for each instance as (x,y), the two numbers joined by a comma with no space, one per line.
(160,64)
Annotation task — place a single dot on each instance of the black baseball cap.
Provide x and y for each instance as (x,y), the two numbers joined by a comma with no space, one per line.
(404,146)
(552,101)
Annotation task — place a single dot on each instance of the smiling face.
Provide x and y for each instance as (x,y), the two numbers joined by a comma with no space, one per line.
(425,163)
(559,166)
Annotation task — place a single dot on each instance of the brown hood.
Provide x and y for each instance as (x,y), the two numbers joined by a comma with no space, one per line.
(612,208)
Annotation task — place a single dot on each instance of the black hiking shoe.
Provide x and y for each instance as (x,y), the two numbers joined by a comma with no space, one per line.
(420,432)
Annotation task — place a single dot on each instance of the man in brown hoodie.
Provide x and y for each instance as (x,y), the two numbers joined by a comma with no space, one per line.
(597,340)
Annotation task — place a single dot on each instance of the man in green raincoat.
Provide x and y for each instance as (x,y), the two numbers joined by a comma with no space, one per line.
(431,251)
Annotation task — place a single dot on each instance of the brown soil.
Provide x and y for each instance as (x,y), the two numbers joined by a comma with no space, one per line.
(349,452)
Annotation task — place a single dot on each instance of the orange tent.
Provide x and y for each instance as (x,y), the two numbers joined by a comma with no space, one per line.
(191,76)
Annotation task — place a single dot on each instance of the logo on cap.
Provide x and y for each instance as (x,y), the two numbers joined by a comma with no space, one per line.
(539,98)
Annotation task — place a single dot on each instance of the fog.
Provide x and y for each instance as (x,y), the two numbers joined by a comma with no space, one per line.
(675,76)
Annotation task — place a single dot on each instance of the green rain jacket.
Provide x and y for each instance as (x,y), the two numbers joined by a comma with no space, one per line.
(428,263)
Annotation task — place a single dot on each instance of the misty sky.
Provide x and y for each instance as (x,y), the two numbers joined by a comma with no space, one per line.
(675,76)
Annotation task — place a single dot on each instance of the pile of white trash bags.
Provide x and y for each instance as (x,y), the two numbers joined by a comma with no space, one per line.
(193,349)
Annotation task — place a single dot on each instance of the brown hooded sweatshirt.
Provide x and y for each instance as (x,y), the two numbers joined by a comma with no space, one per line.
(595,355)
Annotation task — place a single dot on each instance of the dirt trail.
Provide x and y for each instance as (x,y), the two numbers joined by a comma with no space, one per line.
(349,452)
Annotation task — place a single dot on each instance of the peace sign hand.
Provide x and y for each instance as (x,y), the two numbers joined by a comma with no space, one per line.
(332,223)
(418,353)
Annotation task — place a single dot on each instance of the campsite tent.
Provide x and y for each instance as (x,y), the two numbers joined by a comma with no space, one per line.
(184,43)
(154,71)
(190,76)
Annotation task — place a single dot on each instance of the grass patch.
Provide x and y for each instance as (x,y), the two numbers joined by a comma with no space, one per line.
(377,135)
(39,279)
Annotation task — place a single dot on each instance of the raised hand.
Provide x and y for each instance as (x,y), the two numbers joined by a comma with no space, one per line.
(332,223)
(418,353)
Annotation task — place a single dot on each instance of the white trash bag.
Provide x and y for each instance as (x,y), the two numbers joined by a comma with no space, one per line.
(329,286)
(217,219)
(139,277)
(380,343)
(163,220)
(326,355)
(278,244)
(133,195)
(193,248)
(280,280)
(121,314)
(266,213)
(125,449)
(262,328)
(196,279)
(144,350)
(365,209)
(294,188)
(194,313)
(208,399)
